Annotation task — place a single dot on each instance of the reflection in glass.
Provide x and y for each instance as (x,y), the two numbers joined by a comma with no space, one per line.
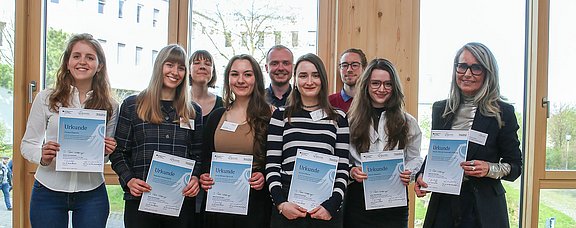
(226,28)
(561,126)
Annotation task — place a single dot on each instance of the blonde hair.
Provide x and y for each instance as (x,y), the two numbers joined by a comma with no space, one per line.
(488,96)
(148,101)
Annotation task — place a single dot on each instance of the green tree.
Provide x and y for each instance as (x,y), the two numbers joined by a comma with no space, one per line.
(251,22)
(56,40)
(7,76)
(560,124)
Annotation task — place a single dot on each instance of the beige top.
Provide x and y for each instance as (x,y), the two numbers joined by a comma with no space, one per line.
(239,142)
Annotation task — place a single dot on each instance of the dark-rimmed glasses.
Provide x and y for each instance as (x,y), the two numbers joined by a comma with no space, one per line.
(375,84)
(353,65)
(475,69)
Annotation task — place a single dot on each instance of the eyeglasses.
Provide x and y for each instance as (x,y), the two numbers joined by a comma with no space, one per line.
(375,84)
(353,65)
(475,69)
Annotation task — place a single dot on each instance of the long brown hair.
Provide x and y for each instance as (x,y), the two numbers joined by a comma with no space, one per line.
(361,112)
(148,100)
(101,98)
(258,112)
(294,102)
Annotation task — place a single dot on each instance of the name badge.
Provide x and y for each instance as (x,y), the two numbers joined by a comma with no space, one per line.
(477,137)
(318,115)
(186,126)
(229,126)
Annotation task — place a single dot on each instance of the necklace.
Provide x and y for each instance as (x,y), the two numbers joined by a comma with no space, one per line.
(310,106)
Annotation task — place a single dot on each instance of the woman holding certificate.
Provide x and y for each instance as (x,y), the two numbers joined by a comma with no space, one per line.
(161,118)
(475,104)
(307,124)
(82,83)
(380,102)
(240,128)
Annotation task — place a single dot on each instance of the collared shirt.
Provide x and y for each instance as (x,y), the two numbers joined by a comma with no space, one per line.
(273,100)
(137,141)
(345,96)
(340,100)
(43,126)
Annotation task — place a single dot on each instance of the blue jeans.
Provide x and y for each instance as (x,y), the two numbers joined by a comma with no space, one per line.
(50,208)
(6,192)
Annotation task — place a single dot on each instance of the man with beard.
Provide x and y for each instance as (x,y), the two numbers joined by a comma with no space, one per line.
(279,67)
(352,64)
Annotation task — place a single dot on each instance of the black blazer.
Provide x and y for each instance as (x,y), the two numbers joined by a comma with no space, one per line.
(502,145)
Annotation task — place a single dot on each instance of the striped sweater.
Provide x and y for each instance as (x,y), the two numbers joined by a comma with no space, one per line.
(323,136)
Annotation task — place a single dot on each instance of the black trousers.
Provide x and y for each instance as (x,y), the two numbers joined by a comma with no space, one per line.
(133,218)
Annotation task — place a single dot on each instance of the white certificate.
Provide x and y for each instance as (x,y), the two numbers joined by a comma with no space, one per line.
(383,188)
(231,174)
(447,150)
(81,135)
(167,176)
(313,178)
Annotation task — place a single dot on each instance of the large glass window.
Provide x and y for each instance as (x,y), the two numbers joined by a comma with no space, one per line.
(121,68)
(557,208)
(445,26)
(227,28)
(7,12)
(561,128)
(126,78)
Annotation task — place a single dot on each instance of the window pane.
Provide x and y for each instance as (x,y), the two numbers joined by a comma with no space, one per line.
(116,199)
(442,34)
(7,12)
(557,208)
(561,126)
(227,28)
(123,49)
(127,74)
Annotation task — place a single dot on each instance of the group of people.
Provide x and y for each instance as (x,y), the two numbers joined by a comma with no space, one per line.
(176,114)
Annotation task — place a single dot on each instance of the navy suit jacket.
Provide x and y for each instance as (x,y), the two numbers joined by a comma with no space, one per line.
(502,145)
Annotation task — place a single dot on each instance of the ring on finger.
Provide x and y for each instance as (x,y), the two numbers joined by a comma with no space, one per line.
(473,168)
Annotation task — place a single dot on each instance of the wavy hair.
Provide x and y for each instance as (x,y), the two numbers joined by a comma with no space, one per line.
(361,113)
(203,55)
(294,102)
(258,111)
(148,101)
(101,98)
(488,96)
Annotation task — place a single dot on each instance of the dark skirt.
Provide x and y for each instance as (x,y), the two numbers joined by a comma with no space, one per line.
(356,215)
(259,205)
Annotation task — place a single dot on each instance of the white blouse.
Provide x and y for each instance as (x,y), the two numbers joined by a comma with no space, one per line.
(378,141)
(43,126)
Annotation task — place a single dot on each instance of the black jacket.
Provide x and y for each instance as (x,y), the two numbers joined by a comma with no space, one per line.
(502,145)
